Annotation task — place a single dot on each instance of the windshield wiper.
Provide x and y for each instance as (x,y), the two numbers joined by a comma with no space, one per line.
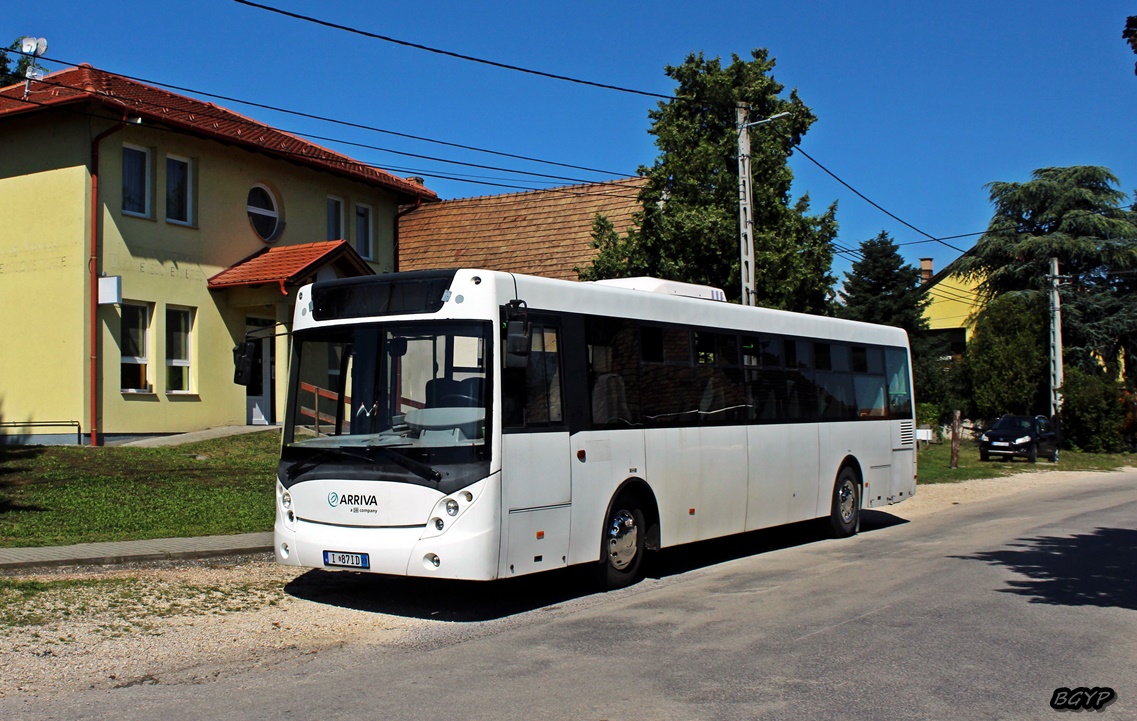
(310,462)
(364,453)
(420,469)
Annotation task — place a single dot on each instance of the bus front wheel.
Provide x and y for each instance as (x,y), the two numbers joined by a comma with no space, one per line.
(845,513)
(622,549)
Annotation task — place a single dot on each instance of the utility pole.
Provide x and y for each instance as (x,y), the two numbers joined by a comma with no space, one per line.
(745,223)
(1056,379)
(746,201)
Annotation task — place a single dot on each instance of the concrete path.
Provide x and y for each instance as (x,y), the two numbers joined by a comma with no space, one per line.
(207,434)
(158,549)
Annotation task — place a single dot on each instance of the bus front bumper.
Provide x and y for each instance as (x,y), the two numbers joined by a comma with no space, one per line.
(467,548)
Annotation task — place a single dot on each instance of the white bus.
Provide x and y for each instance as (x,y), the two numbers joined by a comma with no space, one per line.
(472,424)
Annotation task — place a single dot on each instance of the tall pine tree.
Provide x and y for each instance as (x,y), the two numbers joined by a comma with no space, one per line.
(883,289)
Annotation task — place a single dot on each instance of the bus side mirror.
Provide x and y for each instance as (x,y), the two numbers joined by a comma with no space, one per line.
(517,344)
(243,356)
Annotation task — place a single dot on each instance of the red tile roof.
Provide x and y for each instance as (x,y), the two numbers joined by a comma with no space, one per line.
(122,95)
(290,265)
(543,232)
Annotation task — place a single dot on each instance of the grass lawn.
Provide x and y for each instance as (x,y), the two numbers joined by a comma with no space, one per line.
(59,495)
(933,463)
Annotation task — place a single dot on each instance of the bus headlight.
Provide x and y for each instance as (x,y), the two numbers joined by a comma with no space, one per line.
(439,524)
(286,500)
(452,507)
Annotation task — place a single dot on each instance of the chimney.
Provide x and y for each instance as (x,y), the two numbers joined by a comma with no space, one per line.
(416,180)
(925,270)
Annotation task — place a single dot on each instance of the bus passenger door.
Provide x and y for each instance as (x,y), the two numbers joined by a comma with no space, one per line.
(535,470)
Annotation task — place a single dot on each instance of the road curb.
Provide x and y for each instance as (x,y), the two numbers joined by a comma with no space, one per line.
(113,553)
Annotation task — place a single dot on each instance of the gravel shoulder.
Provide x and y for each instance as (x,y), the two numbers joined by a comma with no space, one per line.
(192,622)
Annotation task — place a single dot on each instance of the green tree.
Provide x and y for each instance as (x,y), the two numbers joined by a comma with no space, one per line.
(1092,411)
(1075,214)
(881,288)
(12,74)
(687,228)
(1007,359)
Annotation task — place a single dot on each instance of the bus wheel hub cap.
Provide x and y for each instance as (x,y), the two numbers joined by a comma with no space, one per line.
(623,537)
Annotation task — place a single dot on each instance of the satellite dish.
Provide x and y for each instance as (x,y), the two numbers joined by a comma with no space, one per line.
(34,73)
(28,45)
(41,48)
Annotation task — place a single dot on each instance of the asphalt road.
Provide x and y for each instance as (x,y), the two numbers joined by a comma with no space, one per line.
(979,611)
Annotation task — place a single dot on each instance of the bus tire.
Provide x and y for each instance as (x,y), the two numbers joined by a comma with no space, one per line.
(622,545)
(845,511)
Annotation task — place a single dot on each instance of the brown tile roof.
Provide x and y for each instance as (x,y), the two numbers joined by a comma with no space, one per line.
(543,232)
(290,265)
(122,95)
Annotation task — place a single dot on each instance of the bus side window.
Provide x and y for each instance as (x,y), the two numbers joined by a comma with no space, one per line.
(613,371)
(532,396)
(899,395)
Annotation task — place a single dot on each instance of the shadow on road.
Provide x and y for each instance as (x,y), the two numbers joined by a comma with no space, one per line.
(1093,569)
(471,601)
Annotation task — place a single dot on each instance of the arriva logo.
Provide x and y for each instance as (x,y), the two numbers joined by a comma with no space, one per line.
(351,499)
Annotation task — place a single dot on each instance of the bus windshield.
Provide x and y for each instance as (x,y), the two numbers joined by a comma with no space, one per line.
(418,388)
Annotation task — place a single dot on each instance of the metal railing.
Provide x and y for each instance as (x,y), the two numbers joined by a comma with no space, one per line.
(47,424)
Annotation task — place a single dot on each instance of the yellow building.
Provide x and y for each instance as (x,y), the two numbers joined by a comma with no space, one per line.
(142,235)
(952,306)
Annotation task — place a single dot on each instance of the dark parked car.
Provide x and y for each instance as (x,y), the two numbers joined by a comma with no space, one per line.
(1024,436)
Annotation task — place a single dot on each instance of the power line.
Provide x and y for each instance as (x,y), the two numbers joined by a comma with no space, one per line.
(357,31)
(930,238)
(342,161)
(449,53)
(346,123)
(456,178)
(866,199)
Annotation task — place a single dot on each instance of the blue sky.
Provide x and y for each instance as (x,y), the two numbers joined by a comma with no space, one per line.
(919,104)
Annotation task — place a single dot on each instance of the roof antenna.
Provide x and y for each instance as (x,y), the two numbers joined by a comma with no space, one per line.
(36,47)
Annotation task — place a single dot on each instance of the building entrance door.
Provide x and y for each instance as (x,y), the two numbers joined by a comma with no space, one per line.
(259,392)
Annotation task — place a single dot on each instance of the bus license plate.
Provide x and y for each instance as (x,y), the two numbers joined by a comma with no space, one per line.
(348,560)
(1000,443)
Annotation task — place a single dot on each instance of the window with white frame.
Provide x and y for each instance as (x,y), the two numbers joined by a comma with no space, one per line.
(134,343)
(363,231)
(264,213)
(135,180)
(179,190)
(179,328)
(335,218)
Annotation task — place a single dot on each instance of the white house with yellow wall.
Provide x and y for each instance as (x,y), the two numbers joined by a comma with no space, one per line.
(143,234)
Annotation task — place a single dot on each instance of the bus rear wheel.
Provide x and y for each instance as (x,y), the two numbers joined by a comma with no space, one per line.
(845,512)
(622,549)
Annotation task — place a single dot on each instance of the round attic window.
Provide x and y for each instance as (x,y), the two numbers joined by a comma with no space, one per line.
(263,213)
